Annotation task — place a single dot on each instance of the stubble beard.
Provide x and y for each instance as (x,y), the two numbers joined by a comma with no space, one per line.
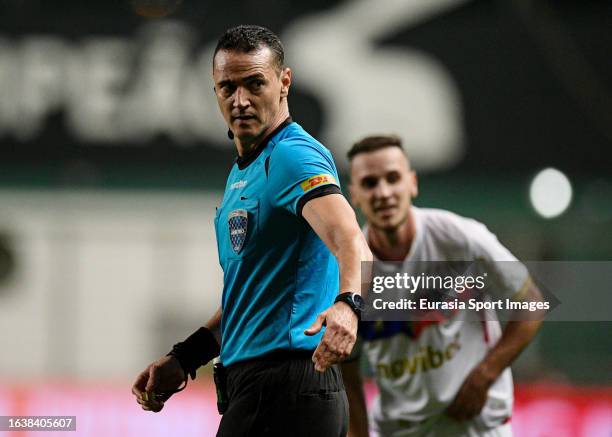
(249,141)
(390,230)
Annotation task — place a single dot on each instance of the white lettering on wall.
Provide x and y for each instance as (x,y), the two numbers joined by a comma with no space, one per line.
(119,90)
(111,89)
(369,90)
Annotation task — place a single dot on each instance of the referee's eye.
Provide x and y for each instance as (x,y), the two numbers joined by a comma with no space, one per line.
(227,89)
(256,85)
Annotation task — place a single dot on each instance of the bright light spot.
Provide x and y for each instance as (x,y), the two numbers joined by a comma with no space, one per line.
(550,193)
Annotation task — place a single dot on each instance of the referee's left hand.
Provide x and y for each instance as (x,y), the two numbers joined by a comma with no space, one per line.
(339,337)
(155,384)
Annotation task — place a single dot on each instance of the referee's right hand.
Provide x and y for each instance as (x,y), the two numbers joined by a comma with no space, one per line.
(339,338)
(157,382)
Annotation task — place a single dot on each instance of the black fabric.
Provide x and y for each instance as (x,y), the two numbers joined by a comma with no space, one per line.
(275,398)
(244,161)
(321,191)
(267,166)
(197,350)
(354,300)
(278,355)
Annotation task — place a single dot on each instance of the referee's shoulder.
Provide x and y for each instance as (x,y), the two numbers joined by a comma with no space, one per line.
(297,145)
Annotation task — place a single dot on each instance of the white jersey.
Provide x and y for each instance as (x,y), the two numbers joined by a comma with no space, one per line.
(419,375)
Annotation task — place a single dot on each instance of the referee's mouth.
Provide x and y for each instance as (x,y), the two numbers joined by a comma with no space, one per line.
(243,117)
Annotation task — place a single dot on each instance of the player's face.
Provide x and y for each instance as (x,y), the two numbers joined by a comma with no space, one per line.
(249,91)
(382,186)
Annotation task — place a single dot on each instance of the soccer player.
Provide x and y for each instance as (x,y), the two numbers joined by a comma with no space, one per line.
(290,248)
(449,378)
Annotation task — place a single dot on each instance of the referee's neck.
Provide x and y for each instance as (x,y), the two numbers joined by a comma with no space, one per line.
(245,149)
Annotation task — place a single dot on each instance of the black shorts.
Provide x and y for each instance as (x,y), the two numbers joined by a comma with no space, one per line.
(283,395)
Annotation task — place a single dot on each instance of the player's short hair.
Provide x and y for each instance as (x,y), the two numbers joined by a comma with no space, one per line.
(248,37)
(374,143)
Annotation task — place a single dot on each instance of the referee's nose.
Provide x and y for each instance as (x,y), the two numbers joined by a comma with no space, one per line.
(241,98)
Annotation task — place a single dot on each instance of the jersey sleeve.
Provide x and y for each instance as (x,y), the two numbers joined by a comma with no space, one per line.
(300,171)
(507,277)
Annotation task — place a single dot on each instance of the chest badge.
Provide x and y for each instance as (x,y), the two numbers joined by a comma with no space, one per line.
(238,221)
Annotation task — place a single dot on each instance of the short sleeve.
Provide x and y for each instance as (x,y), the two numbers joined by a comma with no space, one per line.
(507,277)
(300,171)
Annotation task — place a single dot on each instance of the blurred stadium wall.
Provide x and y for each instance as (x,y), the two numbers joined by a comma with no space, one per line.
(113,158)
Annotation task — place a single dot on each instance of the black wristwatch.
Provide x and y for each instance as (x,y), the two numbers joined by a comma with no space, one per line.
(354,300)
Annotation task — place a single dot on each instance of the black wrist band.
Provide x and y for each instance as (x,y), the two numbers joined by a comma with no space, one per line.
(353,300)
(197,350)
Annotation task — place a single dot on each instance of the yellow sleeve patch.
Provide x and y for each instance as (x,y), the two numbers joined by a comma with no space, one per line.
(315,181)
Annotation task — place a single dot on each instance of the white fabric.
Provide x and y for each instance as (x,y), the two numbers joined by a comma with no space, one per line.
(418,378)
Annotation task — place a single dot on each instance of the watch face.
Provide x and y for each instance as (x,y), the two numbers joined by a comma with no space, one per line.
(358,301)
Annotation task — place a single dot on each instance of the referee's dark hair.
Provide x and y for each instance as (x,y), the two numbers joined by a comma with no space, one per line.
(373,143)
(248,37)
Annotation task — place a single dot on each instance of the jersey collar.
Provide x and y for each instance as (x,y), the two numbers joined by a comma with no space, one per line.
(244,161)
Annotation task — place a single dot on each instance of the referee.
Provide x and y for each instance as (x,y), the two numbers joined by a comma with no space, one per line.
(290,248)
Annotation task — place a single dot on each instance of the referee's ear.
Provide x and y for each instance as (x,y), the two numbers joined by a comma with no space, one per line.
(285,79)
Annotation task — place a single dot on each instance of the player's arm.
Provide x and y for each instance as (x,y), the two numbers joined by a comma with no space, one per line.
(517,334)
(358,418)
(163,377)
(334,221)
